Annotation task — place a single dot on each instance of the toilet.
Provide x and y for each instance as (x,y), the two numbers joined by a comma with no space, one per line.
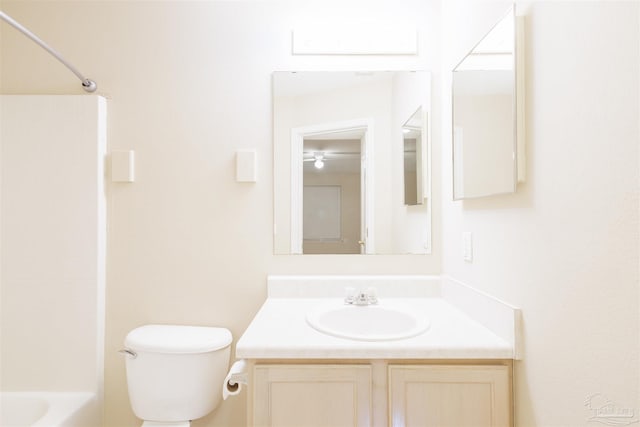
(175,373)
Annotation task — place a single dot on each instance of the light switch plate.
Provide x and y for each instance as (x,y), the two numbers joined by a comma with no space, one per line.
(123,166)
(246,166)
(467,246)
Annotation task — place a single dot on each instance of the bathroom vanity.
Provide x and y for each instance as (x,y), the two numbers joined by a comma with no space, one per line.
(355,393)
(458,372)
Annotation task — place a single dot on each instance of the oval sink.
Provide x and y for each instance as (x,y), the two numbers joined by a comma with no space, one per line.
(368,323)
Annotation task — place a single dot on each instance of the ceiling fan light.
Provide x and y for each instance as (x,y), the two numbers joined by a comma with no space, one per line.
(319,164)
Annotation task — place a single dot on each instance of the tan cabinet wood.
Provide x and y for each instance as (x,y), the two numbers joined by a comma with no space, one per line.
(449,396)
(311,395)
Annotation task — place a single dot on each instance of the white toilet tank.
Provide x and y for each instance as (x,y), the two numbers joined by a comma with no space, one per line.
(175,373)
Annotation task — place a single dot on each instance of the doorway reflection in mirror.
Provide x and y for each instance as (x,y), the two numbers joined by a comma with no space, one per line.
(331,194)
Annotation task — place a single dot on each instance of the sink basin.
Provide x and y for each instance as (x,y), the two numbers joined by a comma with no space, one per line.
(381,322)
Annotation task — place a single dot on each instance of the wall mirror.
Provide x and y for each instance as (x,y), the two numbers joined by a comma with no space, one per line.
(485,131)
(339,162)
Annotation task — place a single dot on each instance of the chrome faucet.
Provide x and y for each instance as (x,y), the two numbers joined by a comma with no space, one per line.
(367,297)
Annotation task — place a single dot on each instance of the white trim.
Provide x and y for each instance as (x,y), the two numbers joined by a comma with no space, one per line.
(521,154)
(297,144)
(426,153)
(369,193)
(426,174)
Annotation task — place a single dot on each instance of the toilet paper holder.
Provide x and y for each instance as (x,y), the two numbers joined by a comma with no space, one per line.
(235,379)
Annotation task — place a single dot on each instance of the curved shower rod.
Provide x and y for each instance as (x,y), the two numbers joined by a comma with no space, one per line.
(87,84)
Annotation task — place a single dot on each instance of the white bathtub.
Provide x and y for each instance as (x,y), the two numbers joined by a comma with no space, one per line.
(47,409)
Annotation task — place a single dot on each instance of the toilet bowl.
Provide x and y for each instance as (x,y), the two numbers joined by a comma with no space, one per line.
(175,373)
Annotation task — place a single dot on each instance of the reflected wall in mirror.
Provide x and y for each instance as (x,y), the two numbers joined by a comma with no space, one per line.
(484,116)
(339,185)
(414,159)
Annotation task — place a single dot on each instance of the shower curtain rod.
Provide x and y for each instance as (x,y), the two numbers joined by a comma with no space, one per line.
(87,84)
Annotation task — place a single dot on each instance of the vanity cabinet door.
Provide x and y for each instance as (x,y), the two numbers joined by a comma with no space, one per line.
(449,396)
(311,395)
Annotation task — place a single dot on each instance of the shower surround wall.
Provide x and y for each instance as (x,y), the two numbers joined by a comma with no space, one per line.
(53,239)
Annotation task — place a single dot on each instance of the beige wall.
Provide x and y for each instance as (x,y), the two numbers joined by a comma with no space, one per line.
(188,84)
(565,247)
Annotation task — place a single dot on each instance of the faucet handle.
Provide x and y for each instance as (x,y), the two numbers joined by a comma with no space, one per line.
(349,295)
(372,295)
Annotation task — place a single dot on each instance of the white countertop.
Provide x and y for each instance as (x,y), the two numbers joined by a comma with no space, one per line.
(280,331)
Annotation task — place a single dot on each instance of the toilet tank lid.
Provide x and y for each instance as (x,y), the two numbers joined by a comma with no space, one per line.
(177,339)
